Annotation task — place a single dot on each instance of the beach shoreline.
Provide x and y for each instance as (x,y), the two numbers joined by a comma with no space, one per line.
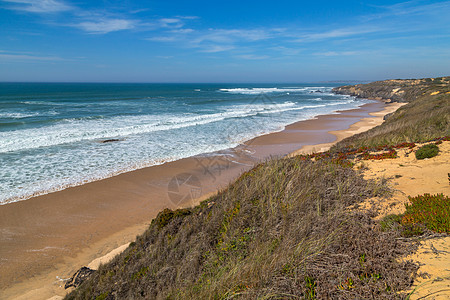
(80,224)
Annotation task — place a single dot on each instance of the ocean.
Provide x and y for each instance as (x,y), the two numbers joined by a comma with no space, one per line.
(57,135)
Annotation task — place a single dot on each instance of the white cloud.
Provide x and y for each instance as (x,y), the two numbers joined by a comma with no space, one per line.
(162,39)
(217,48)
(39,6)
(164,56)
(411,8)
(336,33)
(253,56)
(171,23)
(334,53)
(231,35)
(188,17)
(220,40)
(95,22)
(183,31)
(17,56)
(169,20)
(211,40)
(286,50)
(106,25)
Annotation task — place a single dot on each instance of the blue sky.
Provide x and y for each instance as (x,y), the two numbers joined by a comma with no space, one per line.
(222,41)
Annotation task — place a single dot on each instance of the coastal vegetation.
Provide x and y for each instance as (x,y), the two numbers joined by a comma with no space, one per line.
(289,228)
(424,118)
(433,211)
(397,90)
(424,212)
(281,230)
(427,151)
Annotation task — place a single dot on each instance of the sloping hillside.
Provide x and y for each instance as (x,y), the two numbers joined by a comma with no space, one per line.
(425,117)
(397,90)
(280,230)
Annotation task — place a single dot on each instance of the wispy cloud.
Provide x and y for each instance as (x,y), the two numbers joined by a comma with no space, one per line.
(213,40)
(252,56)
(410,8)
(221,40)
(217,48)
(92,22)
(39,6)
(286,50)
(105,25)
(19,56)
(188,17)
(183,30)
(338,53)
(337,33)
(164,56)
(171,23)
(231,35)
(163,39)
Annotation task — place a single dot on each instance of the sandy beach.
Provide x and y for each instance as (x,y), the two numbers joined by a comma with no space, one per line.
(44,240)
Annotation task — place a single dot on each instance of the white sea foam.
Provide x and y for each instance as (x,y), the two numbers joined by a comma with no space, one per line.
(256,91)
(16,115)
(318,88)
(52,157)
(78,130)
(91,165)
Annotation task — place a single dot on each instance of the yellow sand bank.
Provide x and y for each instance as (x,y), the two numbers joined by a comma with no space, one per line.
(411,177)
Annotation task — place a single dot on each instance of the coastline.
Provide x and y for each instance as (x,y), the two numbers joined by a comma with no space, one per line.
(358,127)
(107,214)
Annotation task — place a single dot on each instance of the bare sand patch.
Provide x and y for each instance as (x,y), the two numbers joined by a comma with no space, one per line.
(412,177)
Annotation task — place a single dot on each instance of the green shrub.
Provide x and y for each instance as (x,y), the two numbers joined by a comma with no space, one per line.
(427,151)
(433,211)
(165,216)
(424,211)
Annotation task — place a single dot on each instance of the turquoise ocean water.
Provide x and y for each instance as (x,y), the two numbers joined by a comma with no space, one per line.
(52,134)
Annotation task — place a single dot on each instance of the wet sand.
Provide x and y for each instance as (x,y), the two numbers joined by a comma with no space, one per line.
(47,238)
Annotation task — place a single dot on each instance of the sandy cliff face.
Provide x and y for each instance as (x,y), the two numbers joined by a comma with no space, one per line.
(397,90)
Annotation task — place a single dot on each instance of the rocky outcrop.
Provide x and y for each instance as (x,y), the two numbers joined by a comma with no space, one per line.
(79,277)
(396,90)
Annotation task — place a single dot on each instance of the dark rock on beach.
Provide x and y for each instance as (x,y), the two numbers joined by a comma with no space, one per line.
(79,277)
(110,141)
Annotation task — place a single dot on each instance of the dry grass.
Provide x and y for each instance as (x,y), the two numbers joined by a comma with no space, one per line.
(280,231)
